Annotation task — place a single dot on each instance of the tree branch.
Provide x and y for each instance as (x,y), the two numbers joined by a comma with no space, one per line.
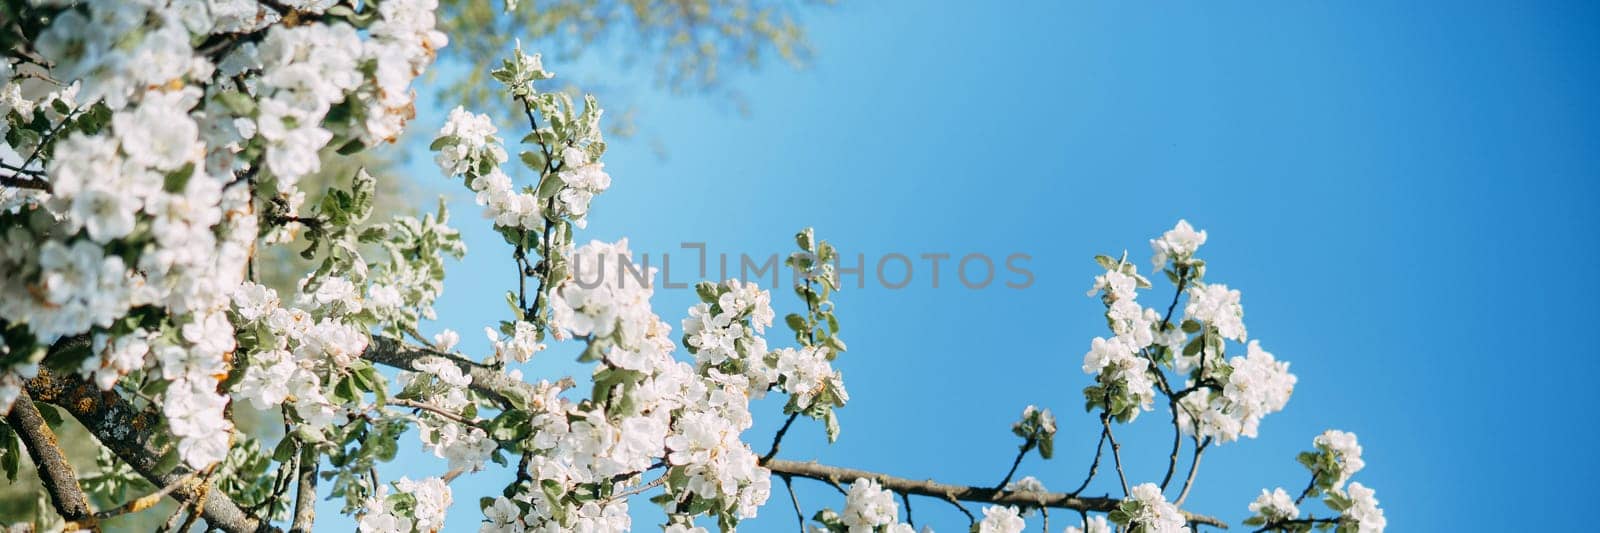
(832,474)
(1014,464)
(126,431)
(54,471)
(486,380)
(799,516)
(494,384)
(778,439)
(1194,466)
(18,181)
(1094,467)
(143,502)
(305,498)
(1310,521)
(1116,449)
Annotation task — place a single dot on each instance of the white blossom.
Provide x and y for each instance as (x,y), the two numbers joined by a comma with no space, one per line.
(1001,519)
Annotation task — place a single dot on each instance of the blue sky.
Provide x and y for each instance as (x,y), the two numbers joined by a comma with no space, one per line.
(1405,194)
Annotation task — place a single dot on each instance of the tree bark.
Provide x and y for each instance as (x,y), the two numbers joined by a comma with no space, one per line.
(127,432)
(305,498)
(54,470)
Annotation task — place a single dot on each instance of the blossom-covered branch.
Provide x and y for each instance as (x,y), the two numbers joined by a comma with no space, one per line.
(166,144)
(984,495)
(125,431)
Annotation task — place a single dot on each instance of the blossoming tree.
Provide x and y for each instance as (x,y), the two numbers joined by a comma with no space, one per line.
(152,148)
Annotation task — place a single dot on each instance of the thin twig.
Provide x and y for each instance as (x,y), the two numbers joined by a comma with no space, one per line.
(1116,450)
(1177,444)
(905,498)
(778,439)
(143,502)
(1093,466)
(1312,485)
(799,516)
(1194,466)
(641,489)
(1026,446)
(440,411)
(971,519)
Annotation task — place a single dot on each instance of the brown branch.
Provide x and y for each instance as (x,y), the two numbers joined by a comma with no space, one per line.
(1194,466)
(1094,467)
(1116,448)
(1310,486)
(143,502)
(127,432)
(778,439)
(1177,445)
(486,380)
(434,409)
(1309,521)
(814,470)
(19,182)
(54,471)
(502,388)
(799,516)
(1026,447)
(305,499)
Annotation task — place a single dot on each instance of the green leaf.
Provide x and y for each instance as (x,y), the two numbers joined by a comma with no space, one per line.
(442,142)
(354,146)
(831,423)
(805,239)
(795,322)
(10,452)
(707,291)
(1106,262)
(534,159)
(237,102)
(284,451)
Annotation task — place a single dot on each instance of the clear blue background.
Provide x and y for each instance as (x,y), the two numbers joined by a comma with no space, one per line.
(1405,194)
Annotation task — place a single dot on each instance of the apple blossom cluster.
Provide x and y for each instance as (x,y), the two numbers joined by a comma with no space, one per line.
(569,175)
(1218,307)
(1255,385)
(1037,428)
(1275,506)
(1177,245)
(1224,398)
(133,123)
(725,334)
(647,411)
(413,506)
(159,142)
(1147,510)
(1358,507)
(868,508)
(294,355)
(1001,519)
(1124,382)
(1336,458)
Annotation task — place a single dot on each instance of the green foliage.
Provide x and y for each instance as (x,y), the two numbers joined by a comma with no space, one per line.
(692,42)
